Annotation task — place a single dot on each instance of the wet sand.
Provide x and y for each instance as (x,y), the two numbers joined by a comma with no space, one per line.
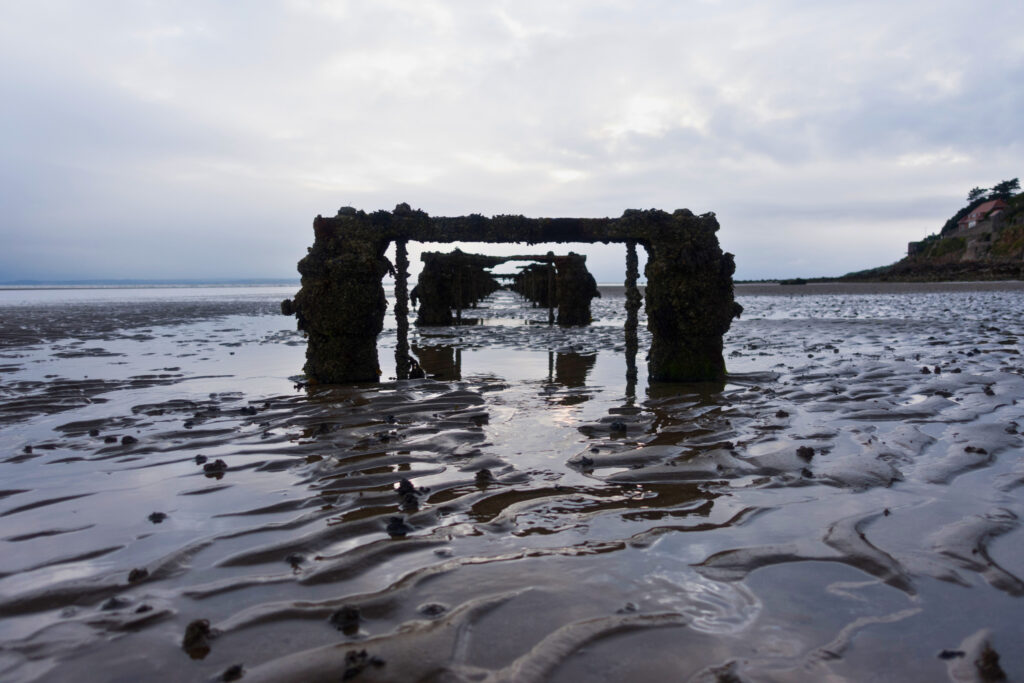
(845,507)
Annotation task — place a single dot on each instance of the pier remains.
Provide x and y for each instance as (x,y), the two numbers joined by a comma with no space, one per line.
(341,304)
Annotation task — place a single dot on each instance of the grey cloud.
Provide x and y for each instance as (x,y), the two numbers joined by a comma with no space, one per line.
(231,126)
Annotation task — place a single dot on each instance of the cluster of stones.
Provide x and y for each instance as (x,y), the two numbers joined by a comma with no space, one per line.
(341,304)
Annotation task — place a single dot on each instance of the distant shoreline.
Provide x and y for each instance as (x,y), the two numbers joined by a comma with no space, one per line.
(841,287)
(143,284)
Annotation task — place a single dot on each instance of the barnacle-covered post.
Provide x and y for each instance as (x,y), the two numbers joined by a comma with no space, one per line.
(435,291)
(453,281)
(633,302)
(689,295)
(341,304)
(532,283)
(575,288)
(402,309)
(552,288)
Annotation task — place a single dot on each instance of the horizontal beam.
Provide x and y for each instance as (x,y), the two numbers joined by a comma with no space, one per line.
(407,224)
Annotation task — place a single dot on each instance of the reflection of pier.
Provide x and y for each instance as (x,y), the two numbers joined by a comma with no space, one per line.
(341,305)
(440,362)
(444,362)
(570,369)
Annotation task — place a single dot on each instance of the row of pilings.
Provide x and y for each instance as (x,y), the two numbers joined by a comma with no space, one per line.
(341,304)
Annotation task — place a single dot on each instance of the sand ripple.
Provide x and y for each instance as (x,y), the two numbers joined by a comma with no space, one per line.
(846,505)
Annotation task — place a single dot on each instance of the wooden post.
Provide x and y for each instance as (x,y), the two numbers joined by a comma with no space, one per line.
(458,294)
(551,289)
(633,299)
(402,309)
(689,301)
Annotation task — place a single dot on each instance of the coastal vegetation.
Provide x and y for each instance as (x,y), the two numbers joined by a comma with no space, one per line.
(983,240)
(1004,190)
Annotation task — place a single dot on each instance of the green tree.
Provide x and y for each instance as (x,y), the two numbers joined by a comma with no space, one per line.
(976,194)
(1006,189)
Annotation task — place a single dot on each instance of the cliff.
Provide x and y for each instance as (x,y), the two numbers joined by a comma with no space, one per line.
(988,249)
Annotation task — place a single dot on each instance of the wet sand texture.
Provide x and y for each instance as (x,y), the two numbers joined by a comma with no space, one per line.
(177,505)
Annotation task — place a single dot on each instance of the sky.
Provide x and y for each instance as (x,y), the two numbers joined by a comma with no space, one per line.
(198,139)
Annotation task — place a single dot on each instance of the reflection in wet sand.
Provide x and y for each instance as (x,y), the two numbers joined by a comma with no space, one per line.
(846,506)
(440,362)
(571,369)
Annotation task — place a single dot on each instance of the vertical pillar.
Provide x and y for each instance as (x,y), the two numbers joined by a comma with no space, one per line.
(435,291)
(689,298)
(458,292)
(402,309)
(633,300)
(551,288)
(341,303)
(575,287)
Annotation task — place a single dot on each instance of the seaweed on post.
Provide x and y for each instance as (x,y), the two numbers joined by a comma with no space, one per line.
(689,294)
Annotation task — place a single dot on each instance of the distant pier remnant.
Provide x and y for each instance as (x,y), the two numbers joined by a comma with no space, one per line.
(452,281)
(574,288)
(689,292)
(531,282)
(457,280)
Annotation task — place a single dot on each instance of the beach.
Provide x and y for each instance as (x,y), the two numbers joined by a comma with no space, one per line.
(177,503)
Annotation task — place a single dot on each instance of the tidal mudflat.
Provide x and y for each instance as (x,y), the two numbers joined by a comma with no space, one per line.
(177,505)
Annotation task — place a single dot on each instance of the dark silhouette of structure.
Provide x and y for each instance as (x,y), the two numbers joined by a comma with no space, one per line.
(458,280)
(341,304)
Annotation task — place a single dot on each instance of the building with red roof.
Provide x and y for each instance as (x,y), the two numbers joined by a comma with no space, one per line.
(982,212)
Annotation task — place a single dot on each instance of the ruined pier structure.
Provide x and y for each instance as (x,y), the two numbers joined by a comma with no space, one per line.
(457,280)
(341,305)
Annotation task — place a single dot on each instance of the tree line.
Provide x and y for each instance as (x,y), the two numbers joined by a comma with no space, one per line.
(1003,190)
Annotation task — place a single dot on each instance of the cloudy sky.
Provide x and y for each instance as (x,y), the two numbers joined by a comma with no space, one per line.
(198,139)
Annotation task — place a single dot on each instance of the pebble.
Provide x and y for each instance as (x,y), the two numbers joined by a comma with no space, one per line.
(138,574)
(346,618)
(217,465)
(356,661)
(397,527)
(115,603)
(432,609)
(196,637)
(232,673)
